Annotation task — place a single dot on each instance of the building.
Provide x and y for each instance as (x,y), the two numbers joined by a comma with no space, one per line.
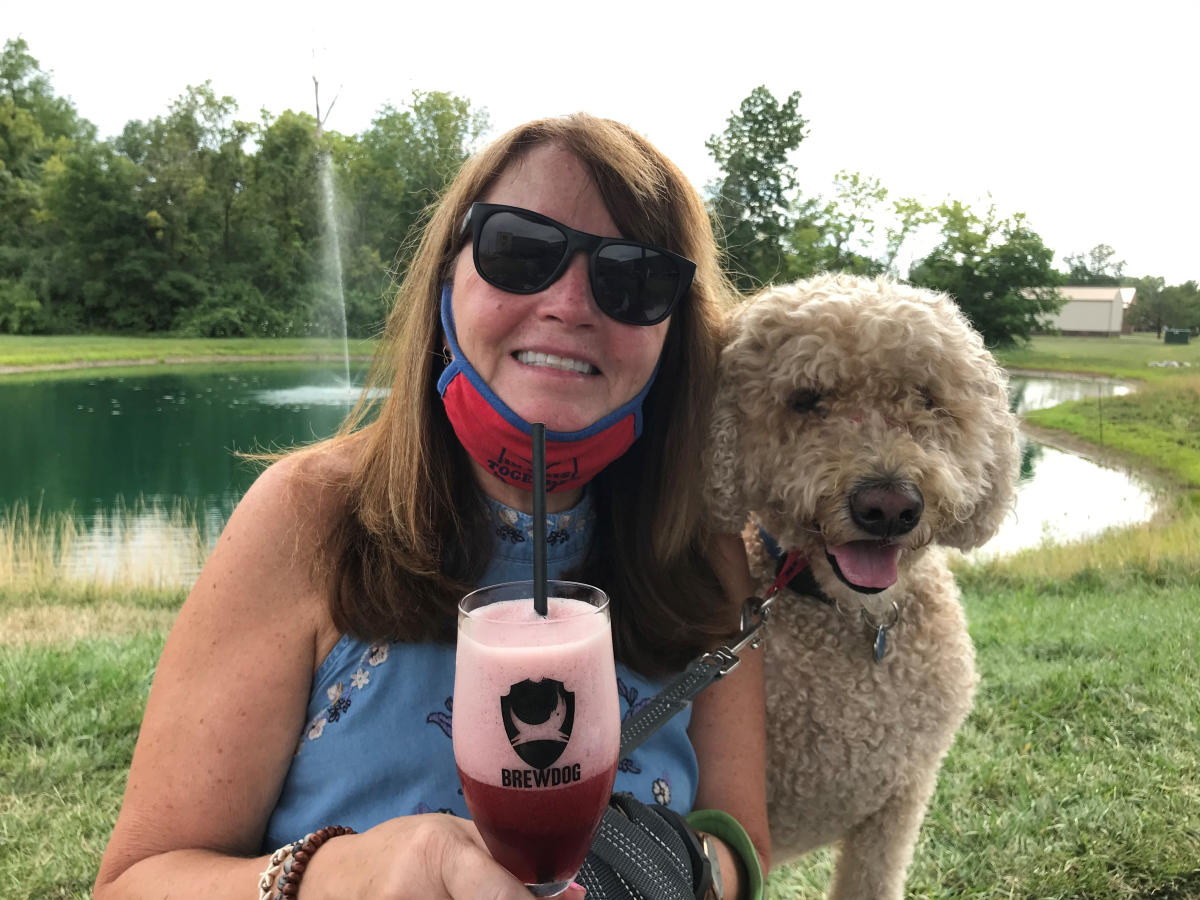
(1092,311)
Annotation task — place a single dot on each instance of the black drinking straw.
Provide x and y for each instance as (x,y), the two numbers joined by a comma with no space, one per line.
(539,519)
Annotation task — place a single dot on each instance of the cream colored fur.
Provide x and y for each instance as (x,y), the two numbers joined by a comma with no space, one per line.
(907,394)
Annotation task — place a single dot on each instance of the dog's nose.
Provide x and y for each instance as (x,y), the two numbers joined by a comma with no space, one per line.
(887,509)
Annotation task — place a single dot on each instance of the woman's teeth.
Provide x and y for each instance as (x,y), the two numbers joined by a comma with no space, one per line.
(550,361)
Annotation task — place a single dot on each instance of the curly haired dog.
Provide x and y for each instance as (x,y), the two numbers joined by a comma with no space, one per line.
(862,423)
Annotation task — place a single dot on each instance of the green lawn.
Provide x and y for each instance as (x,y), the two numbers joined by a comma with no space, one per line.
(1160,423)
(1076,775)
(1127,356)
(17,350)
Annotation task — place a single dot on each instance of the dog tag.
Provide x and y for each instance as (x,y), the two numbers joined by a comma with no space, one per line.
(880,642)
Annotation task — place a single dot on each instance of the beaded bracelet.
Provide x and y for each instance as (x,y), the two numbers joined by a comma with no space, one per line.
(287,864)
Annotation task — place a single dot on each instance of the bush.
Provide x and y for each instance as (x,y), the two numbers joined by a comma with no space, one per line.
(20,309)
(236,309)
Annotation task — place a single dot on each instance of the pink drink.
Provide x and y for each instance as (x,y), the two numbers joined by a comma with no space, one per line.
(536,730)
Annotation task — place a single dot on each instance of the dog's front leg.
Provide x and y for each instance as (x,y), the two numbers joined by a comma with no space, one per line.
(875,854)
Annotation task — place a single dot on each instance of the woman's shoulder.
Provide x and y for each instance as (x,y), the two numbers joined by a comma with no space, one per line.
(307,490)
(271,553)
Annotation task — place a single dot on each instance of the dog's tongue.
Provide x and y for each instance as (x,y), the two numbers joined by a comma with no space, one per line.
(867,563)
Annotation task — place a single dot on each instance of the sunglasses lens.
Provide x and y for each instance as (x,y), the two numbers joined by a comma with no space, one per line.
(635,284)
(517,254)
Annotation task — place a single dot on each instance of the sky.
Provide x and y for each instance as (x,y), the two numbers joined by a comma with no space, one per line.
(1085,116)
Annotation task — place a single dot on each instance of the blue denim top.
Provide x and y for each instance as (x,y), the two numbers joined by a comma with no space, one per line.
(377,741)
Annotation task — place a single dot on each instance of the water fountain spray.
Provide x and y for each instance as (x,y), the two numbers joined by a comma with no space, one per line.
(332,250)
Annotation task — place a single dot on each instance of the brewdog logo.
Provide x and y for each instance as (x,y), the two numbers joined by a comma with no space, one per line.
(538,717)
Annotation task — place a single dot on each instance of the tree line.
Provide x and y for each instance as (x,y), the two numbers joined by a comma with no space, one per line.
(198,222)
(996,267)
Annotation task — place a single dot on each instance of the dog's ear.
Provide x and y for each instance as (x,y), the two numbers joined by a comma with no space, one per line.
(725,480)
(1000,473)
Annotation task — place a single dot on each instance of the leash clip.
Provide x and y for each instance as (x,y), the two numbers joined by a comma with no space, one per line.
(724,658)
(755,613)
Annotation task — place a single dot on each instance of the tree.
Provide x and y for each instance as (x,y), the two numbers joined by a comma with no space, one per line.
(36,127)
(836,234)
(176,225)
(108,255)
(1181,306)
(841,234)
(1147,313)
(1097,266)
(25,86)
(998,270)
(751,199)
(391,174)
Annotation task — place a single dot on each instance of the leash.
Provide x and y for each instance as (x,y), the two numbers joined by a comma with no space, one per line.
(707,668)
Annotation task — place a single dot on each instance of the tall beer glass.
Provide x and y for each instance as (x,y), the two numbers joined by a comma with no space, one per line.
(536,725)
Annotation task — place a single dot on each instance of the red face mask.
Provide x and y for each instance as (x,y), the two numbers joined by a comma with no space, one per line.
(501,441)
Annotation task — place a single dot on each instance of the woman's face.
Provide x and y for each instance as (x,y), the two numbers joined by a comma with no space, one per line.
(506,337)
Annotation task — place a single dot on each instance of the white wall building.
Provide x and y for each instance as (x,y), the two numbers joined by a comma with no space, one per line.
(1094,311)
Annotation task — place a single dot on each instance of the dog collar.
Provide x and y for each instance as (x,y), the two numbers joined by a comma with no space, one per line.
(791,570)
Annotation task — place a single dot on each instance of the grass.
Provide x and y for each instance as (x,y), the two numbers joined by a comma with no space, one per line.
(18,350)
(1159,424)
(1127,356)
(1075,776)
(70,712)
(46,556)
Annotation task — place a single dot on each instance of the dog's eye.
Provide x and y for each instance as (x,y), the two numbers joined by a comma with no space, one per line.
(806,401)
(927,398)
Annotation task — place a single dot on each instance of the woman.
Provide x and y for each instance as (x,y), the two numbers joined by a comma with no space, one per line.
(326,613)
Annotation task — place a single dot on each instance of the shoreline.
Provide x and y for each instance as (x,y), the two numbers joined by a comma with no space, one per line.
(74,365)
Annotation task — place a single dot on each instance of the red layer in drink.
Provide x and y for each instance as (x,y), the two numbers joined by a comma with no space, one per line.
(541,835)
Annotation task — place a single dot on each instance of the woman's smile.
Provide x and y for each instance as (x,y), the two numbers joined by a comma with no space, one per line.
(551,361)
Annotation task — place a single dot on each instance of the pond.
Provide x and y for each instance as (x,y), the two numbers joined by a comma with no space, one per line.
(1062,497)
(149,464)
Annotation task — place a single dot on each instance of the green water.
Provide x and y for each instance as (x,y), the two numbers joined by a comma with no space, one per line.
(143,445)
(92,444)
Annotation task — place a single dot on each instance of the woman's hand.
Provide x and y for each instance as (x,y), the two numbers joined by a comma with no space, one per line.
(432,856)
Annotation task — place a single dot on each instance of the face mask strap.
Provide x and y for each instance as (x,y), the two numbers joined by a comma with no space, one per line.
(498,439)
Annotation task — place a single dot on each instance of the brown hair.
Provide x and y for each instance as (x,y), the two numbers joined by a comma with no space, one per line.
(413,534)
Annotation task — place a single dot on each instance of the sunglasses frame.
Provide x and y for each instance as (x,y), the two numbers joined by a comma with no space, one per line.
(479,213)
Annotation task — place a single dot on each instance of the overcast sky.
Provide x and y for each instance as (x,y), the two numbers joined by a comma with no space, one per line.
(1084,115)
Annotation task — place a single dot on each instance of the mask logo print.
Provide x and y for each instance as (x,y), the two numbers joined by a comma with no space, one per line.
(538,717)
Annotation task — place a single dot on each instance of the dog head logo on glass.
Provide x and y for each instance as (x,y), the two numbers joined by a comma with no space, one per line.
(538,717)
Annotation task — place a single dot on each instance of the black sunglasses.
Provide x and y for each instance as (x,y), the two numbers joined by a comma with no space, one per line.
(522,252)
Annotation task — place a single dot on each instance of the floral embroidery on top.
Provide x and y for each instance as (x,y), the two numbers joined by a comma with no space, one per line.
(661,789)
(629,693)
(443,720)
(339,695)
(517,528)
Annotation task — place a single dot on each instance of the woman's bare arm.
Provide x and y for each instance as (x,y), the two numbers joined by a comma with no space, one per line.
(227,704)
(728,727)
